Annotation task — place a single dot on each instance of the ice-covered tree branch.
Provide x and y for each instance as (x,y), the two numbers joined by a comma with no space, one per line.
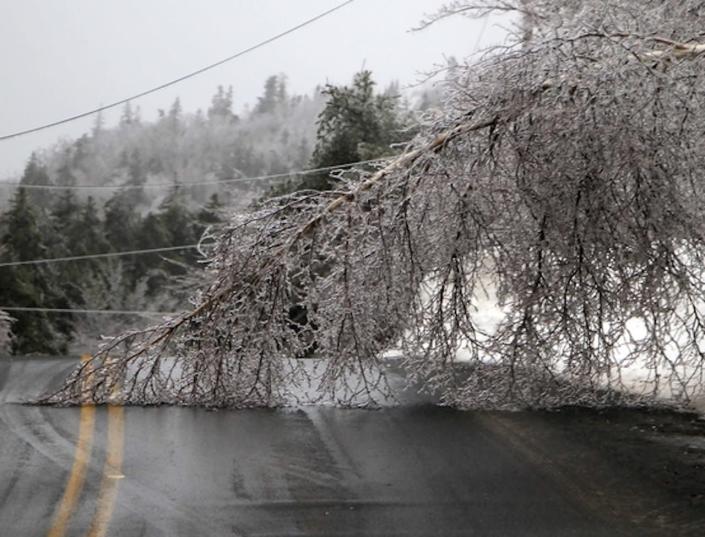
(562,175)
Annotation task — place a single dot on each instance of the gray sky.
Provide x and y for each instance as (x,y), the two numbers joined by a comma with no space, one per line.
(62,57)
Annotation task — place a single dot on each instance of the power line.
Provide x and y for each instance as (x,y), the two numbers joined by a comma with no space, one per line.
(98,256)
(181,78)
(168,248)
(295,173)
(87,311)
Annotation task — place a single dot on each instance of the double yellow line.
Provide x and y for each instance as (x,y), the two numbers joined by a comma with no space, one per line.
(112,469)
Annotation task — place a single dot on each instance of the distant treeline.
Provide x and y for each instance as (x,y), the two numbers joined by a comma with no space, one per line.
(281,133)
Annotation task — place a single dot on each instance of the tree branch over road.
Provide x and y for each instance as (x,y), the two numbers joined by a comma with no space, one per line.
(563,172)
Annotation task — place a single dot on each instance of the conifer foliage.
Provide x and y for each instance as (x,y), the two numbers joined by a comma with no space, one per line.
(172,152)
(356,124)
(30,285)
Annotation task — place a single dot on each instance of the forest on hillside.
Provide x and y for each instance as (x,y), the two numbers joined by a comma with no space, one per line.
(157,184)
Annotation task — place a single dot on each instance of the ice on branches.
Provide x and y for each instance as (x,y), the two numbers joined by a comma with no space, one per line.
(566,173)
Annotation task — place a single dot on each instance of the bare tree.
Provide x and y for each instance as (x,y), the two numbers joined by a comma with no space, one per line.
(565,173)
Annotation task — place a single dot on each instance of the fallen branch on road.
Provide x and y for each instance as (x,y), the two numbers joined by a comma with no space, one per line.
(579,201)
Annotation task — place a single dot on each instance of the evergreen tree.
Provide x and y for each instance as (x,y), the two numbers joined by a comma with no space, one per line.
(274,95)
(210,215)
(282,94)
(174,117)
(179,146)
(29,285)
(129,116)
(356,124)
(172,225)
(136,171)
(153,234)
(175,110)
(65,218)
(65,176)
(121,222)
(122,227)
(64,214)
(86,236)
(222,105)
(22,238)
(177,219)
(98,125)
(181,228)
(35,173)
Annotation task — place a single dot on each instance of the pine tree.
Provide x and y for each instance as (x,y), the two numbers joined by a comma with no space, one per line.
(179,223)
(282,93)
(176,218)
(211,214)
(98,125)
(356,124)
(222,105)
(174,117)
(267,103)
(152,234)
(129,116)
(86,236)
(121,222)
(64,219)
(122,227)
(136,171)
(64,214)
(35,173)
(30,285)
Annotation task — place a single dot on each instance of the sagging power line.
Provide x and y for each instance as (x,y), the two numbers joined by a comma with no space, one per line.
(192,74)
(296,173)
(98,256)
(88,311)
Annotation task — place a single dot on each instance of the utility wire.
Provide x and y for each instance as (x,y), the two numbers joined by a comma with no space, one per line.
(296,173)
(168,248)
(98,256)
(87,311)
(181,78)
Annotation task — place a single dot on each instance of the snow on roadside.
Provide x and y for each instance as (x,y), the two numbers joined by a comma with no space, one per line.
(636,377)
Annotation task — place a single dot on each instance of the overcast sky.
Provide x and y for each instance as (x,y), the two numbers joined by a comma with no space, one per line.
(62,57)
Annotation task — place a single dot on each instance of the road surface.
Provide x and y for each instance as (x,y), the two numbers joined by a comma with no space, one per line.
(411,471)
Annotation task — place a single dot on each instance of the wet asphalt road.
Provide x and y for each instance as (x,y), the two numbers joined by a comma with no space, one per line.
(413,471)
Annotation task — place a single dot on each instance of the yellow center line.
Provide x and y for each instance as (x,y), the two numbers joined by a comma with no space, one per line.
(78,471)
(112,472)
